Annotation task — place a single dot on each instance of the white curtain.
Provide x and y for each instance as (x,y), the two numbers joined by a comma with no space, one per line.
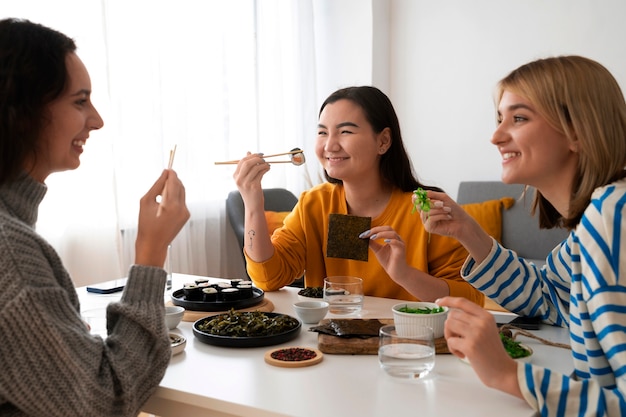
(216,79)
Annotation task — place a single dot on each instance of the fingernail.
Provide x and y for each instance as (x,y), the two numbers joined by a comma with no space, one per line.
(364,234)
(438,203)
(447,209)
(387,240)
(373,237)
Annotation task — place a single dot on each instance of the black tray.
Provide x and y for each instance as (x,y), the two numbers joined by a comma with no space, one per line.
(231,341)
(178,298)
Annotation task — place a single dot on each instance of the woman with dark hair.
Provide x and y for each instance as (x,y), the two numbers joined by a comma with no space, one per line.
(51,364)
(561,128)
(369,175)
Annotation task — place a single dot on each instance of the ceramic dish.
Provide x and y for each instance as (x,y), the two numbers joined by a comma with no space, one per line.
(407,323)
(293,357)
(178,343)
(178,298)
(243,341)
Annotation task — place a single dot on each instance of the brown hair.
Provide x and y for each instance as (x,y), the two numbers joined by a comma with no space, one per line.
(32,74)
(581,99)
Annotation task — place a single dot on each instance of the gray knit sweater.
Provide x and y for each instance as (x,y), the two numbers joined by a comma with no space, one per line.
(50,365)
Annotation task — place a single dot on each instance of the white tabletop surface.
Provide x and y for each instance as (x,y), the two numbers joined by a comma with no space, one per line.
(224,381)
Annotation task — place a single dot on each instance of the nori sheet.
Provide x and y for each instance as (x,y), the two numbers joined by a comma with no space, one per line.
(343,237)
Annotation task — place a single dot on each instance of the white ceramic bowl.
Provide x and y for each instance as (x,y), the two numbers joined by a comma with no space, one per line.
(173,316)
(406,321)
(311,311)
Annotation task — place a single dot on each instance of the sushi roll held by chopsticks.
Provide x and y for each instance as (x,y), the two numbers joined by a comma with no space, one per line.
(296,157)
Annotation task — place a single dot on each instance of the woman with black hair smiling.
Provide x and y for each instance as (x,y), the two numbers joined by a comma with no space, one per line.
(369,174)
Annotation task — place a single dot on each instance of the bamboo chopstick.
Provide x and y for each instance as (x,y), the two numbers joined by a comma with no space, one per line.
(171,161)
(236,161)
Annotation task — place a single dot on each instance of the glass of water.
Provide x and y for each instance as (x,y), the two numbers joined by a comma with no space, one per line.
(343,294)
(409,357)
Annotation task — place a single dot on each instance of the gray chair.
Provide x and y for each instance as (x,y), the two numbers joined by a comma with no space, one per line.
(520,230)
(276,199)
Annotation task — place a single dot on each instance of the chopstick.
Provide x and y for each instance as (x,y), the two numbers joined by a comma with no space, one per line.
(236,161)
(171,161)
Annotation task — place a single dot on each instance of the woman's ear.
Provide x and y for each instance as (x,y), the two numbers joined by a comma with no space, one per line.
(384,141)
(574,145)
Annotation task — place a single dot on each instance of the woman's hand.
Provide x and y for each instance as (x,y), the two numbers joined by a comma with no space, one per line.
(160,222)
(248,175)
(471,333)
(390,250)
(447,218)
(391,253)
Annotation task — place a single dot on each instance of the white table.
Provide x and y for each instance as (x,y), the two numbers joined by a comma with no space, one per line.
(219,381)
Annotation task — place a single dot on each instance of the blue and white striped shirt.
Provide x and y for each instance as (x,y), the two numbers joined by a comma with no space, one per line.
(583,286)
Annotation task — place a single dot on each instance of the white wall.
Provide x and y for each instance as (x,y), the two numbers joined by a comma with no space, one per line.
(447,56)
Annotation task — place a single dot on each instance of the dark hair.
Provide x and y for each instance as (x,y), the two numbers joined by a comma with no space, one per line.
(32,74)
(395,165)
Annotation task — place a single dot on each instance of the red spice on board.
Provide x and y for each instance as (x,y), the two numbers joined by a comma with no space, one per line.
(293,354)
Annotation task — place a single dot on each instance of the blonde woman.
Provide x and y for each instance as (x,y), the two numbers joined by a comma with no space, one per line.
(561,129)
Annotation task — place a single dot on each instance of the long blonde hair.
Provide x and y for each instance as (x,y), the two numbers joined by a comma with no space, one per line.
(581,99)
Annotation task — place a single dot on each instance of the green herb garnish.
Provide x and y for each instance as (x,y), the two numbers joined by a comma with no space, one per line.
(423,203)
(514,348)
(423,310)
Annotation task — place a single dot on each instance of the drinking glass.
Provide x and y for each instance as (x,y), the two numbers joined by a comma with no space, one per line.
(409,357)
(343,294)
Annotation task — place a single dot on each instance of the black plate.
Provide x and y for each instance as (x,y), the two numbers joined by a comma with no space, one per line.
(230,341)
(178,298)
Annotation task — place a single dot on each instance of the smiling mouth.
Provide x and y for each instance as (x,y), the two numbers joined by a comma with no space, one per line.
(78,142)
(510,155)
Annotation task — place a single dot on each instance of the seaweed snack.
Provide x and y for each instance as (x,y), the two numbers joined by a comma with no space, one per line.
(343,237)
(312,292)
(362,328)
(248,324)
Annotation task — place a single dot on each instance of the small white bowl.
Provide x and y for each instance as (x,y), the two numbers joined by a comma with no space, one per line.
(173,316)
(178,343)
(406,321)
(311,311)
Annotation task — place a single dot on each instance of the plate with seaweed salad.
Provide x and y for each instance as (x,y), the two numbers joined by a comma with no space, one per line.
(247,329)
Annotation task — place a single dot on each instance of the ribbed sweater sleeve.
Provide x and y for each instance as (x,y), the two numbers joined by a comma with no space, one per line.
(51,365)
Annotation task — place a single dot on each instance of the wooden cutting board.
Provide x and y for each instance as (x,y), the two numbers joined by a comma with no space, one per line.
(190,315)
(359,346)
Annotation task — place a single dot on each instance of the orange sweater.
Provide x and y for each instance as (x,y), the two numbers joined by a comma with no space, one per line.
(300,245)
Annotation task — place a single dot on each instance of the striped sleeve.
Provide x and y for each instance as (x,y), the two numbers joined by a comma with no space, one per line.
(597,319)
(520,286)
